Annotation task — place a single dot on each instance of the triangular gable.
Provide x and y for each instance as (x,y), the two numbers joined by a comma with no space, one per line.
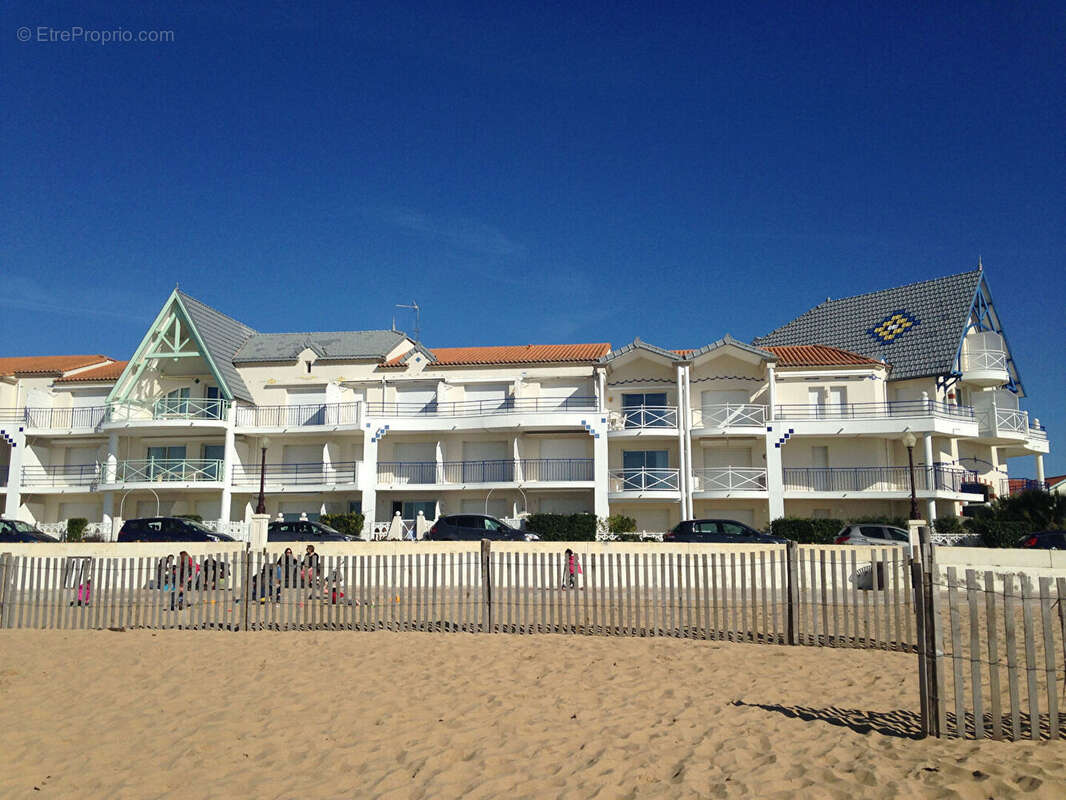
(637,347)
(186,328)
(983,317)
(727,342)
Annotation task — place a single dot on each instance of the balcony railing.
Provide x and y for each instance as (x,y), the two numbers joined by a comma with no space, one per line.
(729,415)
(297,416)
(489,471)
(729,479)
(996,422)
(478,408)
(889,410)
(876,479)
(151,470)
(643,417)
(88,417)
(60,476)
(984,360)
(169,408)
(297,474)
(644,480)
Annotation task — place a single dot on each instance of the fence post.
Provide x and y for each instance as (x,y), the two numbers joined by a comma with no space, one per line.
(934,649)
(792,582)
(246,585)
(5,567)
(486,582)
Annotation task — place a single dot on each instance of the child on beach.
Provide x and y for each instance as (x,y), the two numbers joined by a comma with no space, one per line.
(572,569)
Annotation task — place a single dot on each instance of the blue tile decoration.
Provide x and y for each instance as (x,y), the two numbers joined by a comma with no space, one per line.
(893,326)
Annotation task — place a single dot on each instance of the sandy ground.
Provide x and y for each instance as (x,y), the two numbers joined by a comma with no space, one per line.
(320,715)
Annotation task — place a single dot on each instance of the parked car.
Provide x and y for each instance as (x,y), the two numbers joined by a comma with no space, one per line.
(473,527)
(15,530)
(306,531)
(1044,540)
(719,531)
(168,529)
(873,535)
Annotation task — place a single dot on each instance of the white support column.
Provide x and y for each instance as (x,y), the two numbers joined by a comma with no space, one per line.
(16,436)
(368,481)
(775,484)
(930,504)
(681,460)
(687,423)
(111,464)
(1040,467)
(771,377)
(601,474)
(517,455)
(229,457)
(438,456)
(601,389)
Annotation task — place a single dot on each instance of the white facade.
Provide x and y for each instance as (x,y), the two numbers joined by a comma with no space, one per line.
(726,431)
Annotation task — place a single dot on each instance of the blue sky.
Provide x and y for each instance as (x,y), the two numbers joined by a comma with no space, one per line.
(567,172)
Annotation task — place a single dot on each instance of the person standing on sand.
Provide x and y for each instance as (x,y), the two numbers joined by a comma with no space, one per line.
(572,569)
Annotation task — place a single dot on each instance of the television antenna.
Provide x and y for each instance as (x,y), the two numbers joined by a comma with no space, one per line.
(418,319)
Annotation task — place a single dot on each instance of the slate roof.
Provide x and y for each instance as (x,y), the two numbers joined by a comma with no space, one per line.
(326,345)
(818,355)
(106,372)
(223,337)
(46,365)
(637,344)
(916,328)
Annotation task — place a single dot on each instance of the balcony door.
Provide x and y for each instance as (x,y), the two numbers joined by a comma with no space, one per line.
(646,469)
(216,453)
(416,399)
(212,403)
(307,406)
(645,410)
(721,407)
(176,403)
(166,462)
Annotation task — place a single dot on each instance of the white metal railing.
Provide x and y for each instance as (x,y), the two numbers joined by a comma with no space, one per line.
(984,360)
(648,479)
(60,476)
(298,416)
(644,417)
(877,479)
(722,479)
(238,529)
(150,470)
(86,417)
(297,474)
(729,415)
(169,408)
(889,410)
(59,529)
(995,422)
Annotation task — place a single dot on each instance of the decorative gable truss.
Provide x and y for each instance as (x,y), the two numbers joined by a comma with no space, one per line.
(984,319)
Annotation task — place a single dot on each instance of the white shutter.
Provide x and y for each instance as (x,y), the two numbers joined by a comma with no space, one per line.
(486,451)
(566,448)
(653,520)
(421,395)
(302,454)
(717,397)
(565,504)
(78,456)
(727,456)
(563,389)
(498,507)
(414,452)
(89,511)
(486,391)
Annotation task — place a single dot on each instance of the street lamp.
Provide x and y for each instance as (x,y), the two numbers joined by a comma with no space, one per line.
(261,506)
(909,441)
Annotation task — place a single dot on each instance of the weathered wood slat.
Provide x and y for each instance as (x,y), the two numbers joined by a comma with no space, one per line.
(975,655)
(1051,682)
(956,653)
(1030,658)
(1009,606)
(993,655)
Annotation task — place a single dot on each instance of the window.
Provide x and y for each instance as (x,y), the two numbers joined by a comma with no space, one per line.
(355,506)
(214,452)
(175,403)
(212,403)
(872,531)
(734,528)
(490,524)
(820,456)
(646,410)
(646,469)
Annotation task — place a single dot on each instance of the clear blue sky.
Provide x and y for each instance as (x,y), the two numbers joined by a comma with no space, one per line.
(563,173)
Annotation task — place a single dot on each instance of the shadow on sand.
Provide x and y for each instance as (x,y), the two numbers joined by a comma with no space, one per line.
(901,724)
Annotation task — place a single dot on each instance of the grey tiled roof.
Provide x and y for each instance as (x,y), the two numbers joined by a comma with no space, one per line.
(326,345)
(637,344)
(729,340)
(921,341)
(222,336)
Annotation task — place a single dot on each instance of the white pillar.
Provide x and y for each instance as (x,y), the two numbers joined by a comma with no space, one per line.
(601,389)
(1040,467)
(368,481)
(257,531)
(111,464)
(689,512)
(396,527)
(519,475)
(600,474)
(775,485)
(927,445)
(107,518)
(16,437)
(421,526)
(771,379)
(681,460)
(229,457)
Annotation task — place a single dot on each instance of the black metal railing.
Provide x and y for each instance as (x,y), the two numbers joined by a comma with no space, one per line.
(477,408)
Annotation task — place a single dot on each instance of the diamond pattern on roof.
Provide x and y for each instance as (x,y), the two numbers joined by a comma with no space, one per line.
(893,326)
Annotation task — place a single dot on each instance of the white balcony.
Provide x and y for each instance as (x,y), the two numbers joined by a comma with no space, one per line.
(985,366)
(510,412)
(729,482)
(878,419)
(459,474)
(168,412)
(180,472)
(299,417)
(1003,424)
(644,421)
(881,482)
(64,420)
(648,483)
(282,477)
(78,477)
(721,417)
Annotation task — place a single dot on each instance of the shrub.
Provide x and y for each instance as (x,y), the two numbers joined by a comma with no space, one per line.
(1000,533)
(563,527)
(75,528)
(620,523)
(948,525)
(805,530)
(350,524)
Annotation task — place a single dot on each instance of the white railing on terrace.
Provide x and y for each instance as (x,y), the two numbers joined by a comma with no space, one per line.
(87,417)
(644,417)
(729,415)
(984,360)
(994,422)
(149,470)
(238,529)
(650,479)
(721,479)
(877,479)
(298,416)
(169,408)
(1038,432)
(59,529)
(295,474)
(889,410)
(477,408)
(488,471)
(61,476)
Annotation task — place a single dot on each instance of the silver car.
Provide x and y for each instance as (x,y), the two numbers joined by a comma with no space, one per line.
(868,534)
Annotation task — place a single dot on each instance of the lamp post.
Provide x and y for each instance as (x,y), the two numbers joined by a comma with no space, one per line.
(909,441)
(261,506)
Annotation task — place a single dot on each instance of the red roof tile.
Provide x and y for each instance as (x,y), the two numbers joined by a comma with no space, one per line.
(46,365)
(818,355)
(107,372)
(518,354)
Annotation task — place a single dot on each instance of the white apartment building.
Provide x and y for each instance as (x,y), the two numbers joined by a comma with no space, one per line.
(811,420)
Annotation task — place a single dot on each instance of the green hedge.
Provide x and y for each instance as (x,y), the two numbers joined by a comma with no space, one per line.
(563,527)
(807,530)
(350,524)
(999,533)
(76,528)
(620,523)
(949,525)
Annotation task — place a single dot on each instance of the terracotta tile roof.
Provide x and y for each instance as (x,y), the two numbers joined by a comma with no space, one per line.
(107,372)
(1055,480)
(818,355)
(517,354)
(46,365)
